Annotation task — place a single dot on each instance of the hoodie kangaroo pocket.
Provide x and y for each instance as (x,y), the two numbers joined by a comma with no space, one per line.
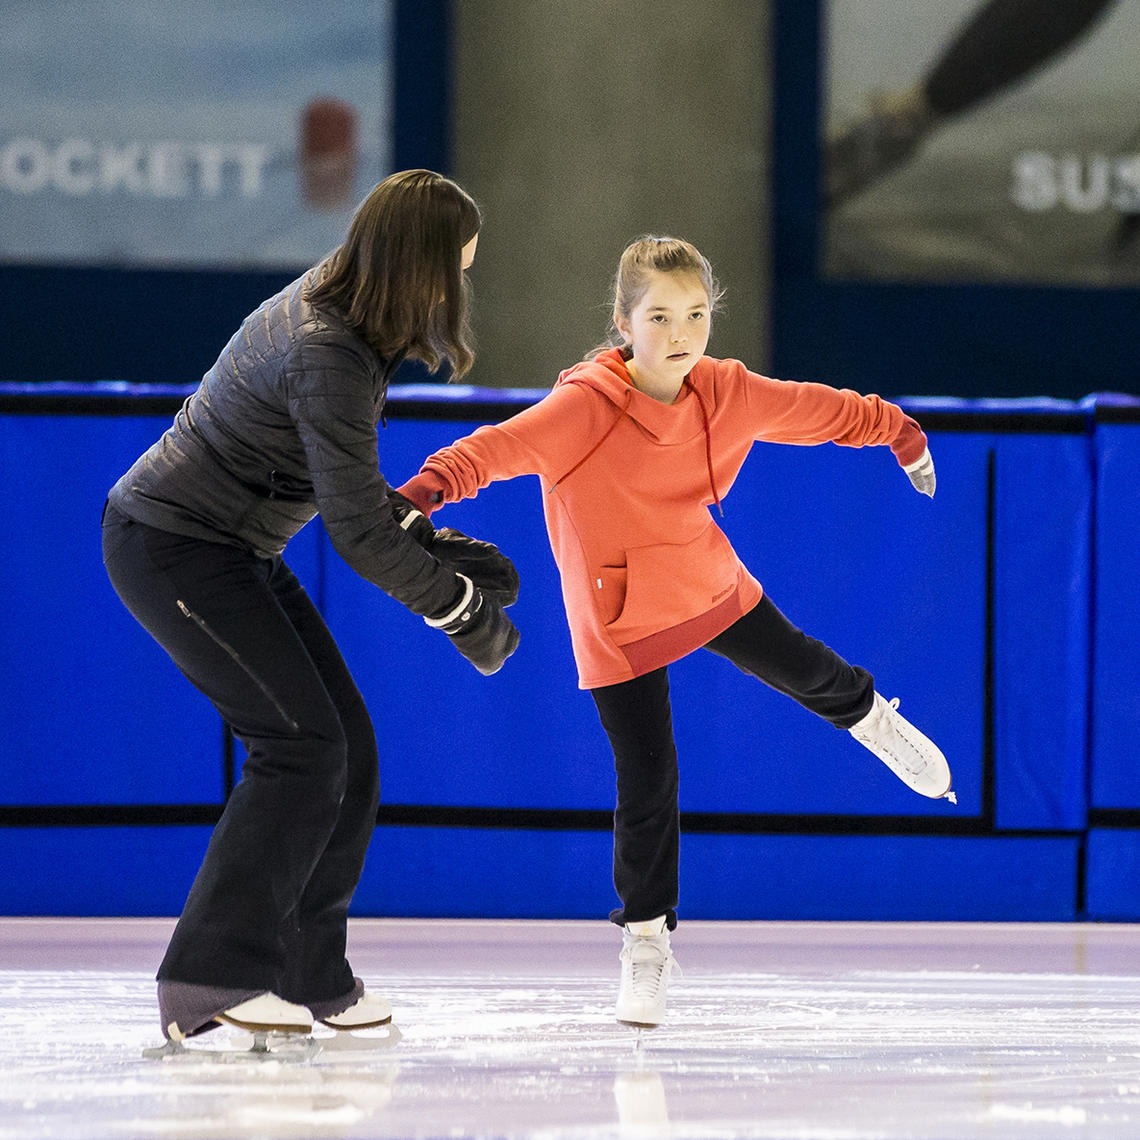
(609,586)
(671,583)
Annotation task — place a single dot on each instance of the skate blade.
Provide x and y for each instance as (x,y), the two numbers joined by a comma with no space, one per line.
(386,1036)
(353,1028)
(286,1047)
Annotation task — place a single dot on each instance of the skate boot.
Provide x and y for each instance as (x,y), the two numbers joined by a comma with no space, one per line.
(267,1013)
(914,758)
(187,1009)
(369,1011)
(646,962)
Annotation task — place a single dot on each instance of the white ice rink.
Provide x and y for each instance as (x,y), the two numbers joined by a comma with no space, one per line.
(820,1031)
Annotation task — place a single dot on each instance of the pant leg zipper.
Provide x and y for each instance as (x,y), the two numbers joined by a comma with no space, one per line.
(204,626)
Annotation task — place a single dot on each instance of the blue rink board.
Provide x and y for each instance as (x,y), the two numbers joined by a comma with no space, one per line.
(916,621)
(1116,696)
(493,873)
(93,710)
(893,581)
(95,714)
(840,541)
(1041,640)
(1113,862)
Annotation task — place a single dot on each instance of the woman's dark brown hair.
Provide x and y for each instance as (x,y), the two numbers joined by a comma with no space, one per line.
(397,279)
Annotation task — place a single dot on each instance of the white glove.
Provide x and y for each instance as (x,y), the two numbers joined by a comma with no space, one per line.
(921,473)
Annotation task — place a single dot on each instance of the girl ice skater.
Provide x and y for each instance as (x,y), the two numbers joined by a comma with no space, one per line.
(632,447)
(284,426)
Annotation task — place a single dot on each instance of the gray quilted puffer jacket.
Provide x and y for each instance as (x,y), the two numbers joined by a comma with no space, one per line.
(283,427)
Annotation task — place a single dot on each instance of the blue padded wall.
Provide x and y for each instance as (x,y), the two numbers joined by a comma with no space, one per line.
(525,737)
(145,871)
(889,579)
(93,711)
(916,620)
(1116,694)
(1113,875)
(914,878)
(1041,637)
(983,610)
(487,872)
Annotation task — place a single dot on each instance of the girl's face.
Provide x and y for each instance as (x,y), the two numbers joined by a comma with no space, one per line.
(668,328)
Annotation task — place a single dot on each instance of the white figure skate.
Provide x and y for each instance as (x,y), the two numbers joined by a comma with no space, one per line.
(279,1028)
(913,757)
(646,963)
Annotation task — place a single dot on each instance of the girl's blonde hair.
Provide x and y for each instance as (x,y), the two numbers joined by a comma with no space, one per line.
(651,254)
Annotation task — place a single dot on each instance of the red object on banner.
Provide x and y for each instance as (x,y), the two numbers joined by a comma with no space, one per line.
(328,153)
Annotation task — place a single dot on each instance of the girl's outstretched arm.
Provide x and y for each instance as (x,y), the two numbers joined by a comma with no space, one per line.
(546,438)
(804,413)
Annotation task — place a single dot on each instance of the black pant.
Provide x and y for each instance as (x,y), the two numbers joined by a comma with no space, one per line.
(639,723)
(269,906)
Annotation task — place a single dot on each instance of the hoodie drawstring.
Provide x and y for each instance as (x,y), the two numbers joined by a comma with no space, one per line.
(708,445)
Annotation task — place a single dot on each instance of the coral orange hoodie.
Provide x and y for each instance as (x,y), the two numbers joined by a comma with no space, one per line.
(647,575)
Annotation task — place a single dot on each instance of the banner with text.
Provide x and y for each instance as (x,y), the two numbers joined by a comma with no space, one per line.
(197,134)
(982,140)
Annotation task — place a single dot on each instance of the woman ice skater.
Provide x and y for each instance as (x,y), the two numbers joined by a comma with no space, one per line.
(283,427)
(633,447)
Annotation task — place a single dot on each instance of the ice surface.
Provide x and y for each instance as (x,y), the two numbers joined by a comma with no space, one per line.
(819,1031)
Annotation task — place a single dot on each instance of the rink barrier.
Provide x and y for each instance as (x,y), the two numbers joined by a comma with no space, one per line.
(999,613)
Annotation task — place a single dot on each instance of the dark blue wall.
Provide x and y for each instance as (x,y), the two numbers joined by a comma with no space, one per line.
(153,326)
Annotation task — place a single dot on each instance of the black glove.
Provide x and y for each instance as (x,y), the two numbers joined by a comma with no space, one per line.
(491,570)
(483,562)
(478,628)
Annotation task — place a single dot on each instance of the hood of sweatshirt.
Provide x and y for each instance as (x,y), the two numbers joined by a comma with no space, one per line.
(678,422)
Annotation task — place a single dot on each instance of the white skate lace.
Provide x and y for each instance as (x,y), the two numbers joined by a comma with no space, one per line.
(650,961)
(877,737)
(886,737)
(893,704)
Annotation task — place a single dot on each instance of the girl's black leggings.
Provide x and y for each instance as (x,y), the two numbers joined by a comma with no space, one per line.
(269,906)
(637,718)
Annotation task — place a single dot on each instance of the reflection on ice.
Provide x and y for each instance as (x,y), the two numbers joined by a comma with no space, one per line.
(777,1030)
